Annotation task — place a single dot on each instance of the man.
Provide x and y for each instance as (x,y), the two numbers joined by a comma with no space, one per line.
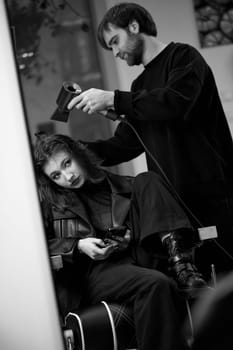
(175,107)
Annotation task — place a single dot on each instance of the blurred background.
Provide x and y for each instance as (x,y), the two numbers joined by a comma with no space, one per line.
(55,41)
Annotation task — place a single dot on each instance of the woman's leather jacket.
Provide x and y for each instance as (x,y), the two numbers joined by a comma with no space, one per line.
(73,224)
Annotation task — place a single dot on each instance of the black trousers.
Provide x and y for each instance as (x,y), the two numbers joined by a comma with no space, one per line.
(158,308)
(154,210)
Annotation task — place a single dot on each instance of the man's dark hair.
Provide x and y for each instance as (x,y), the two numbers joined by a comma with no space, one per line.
(122,15)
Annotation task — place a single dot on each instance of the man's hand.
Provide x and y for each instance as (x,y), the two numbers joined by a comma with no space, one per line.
(93,100)
(95,248)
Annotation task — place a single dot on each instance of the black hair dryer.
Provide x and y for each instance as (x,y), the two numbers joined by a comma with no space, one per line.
(68,90)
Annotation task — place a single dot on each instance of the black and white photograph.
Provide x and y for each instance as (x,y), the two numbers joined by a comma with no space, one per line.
(117,175)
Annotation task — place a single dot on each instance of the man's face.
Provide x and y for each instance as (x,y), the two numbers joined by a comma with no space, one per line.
(125,44)
(64,170)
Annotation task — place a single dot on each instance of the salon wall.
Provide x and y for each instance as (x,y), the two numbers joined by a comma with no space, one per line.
(176,22)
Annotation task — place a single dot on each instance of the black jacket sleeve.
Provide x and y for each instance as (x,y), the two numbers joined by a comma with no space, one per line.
(176,98)
(121,147)
(65,247)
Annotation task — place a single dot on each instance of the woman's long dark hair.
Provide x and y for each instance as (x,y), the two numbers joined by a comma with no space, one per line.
(50,193)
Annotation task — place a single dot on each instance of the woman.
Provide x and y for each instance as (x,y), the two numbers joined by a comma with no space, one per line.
(100,222)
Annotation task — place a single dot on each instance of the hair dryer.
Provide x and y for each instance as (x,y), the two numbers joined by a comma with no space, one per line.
(68,91)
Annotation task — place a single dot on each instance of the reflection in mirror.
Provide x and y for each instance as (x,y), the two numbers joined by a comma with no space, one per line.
(81,203)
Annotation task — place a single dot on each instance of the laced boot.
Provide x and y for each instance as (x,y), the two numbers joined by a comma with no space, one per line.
(181,263)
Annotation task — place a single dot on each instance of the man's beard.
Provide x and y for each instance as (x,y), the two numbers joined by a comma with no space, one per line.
(134,49)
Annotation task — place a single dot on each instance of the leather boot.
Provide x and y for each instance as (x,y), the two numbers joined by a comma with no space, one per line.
(181,263)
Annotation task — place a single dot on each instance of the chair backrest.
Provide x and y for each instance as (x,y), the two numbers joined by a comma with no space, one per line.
(102,327)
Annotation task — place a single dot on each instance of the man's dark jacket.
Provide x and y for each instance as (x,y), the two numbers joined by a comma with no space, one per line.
(175,108)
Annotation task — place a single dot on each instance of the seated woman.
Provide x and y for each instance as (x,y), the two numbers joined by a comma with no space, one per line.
(102,224)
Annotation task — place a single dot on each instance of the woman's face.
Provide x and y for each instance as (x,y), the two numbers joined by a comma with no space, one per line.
(64,170)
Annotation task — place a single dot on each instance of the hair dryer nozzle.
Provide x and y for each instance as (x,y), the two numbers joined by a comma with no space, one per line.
(68,91)
(61,116)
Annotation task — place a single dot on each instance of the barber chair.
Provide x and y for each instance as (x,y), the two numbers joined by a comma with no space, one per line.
(101,327)
(108,326)
(105,326)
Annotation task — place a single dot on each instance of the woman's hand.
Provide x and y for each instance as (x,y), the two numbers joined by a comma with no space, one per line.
(95,248)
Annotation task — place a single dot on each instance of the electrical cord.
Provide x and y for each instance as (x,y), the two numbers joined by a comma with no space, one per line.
(180,200)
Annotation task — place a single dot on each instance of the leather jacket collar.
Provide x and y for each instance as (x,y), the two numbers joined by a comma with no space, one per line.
(121,189)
